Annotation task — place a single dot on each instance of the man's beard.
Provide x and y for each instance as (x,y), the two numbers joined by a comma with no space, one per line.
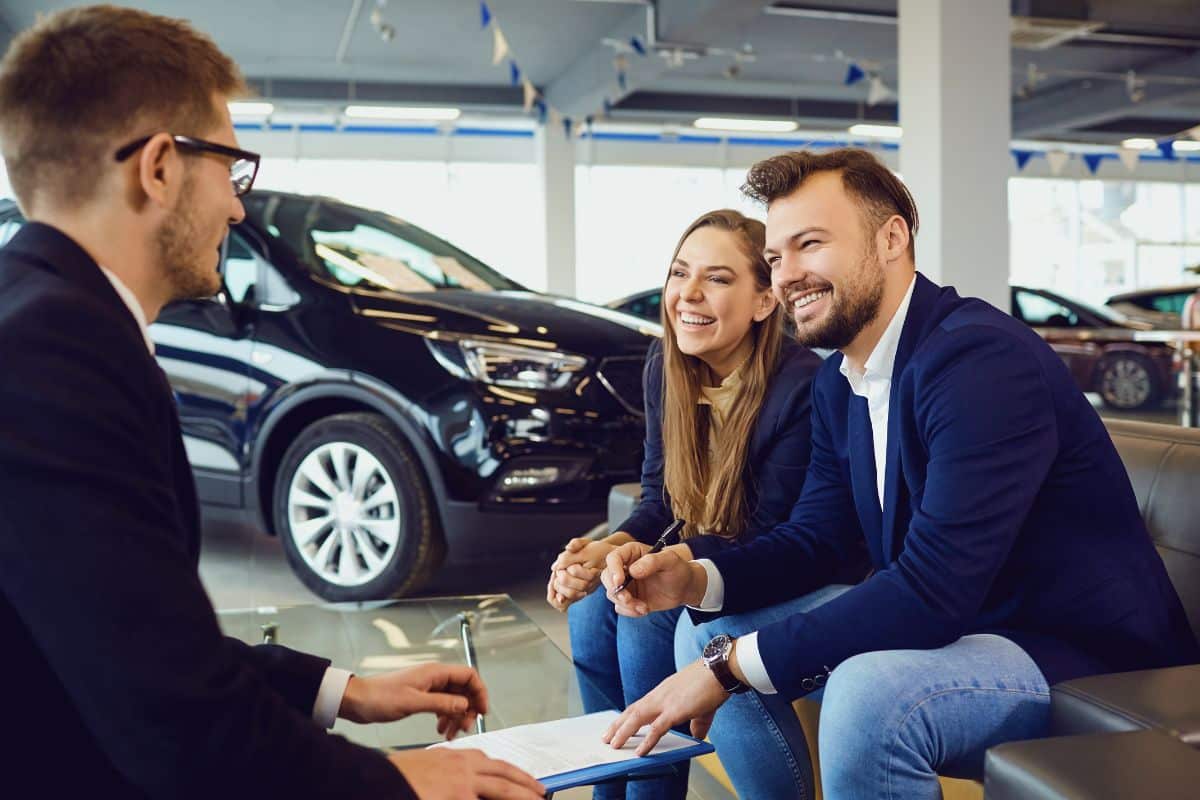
(854,308)
(190,272)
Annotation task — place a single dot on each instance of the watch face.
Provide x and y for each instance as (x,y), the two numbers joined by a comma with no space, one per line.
(716,648)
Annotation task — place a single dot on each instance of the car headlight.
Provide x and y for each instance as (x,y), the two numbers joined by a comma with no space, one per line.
(508,365)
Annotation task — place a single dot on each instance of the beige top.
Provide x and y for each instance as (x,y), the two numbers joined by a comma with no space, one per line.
(721,399)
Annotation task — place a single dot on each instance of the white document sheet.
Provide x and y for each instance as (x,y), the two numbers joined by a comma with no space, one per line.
(545,749)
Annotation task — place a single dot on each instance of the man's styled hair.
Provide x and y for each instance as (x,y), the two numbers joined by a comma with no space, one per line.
(80,82)
(879,192)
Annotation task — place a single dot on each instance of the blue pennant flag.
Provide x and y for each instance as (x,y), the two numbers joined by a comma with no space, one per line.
(1093,161)
(854,74)
(540,105)
(621,80)
(514,74)
(1022,157)
(485,15)
(637,46)
(567,126)
(1167,148)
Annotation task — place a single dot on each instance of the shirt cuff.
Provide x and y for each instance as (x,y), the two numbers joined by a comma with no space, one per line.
(714,592)
(752,665)
(329,696)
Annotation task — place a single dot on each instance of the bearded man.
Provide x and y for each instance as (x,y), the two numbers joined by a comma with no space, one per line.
(1007,546)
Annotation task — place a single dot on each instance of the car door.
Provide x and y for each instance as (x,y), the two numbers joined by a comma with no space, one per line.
(204,347)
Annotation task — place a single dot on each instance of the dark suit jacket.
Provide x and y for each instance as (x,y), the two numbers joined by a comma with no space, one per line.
(116,679)
(778,455)
(1006,510)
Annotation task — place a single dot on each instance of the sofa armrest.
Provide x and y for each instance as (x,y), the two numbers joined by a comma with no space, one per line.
(1097,767)
(1160,699)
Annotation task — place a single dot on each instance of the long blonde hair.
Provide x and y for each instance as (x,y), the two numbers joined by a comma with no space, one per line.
(713,496)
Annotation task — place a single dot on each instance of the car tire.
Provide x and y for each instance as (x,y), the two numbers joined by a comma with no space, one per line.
(354,511)
(1127,382)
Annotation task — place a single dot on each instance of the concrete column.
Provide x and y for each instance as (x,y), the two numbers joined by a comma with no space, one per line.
(555,155)
(955,109)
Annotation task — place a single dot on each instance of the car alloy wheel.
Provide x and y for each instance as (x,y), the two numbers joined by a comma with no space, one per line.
(354,510)
(344,513)
(1126,383)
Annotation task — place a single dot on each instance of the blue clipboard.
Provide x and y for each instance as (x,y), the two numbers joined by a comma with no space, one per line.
(603,773)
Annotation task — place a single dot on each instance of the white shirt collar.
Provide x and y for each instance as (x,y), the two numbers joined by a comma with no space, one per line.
(883,358)
(127,296)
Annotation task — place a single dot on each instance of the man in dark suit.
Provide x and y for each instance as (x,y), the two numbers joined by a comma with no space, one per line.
(118,681)
(1008,550)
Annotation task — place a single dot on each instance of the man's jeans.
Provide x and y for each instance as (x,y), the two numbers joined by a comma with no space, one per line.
(891,721)
(619,660)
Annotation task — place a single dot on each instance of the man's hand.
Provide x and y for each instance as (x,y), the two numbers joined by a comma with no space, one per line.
(441,773)
(454,692)
(693,694)
(662,580)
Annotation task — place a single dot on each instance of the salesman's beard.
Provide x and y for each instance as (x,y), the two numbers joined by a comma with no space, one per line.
(188,267)
(855,306)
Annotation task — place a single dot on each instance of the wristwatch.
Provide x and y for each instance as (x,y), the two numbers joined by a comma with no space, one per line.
(716,658)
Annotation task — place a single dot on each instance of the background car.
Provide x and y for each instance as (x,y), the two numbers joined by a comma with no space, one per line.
(1161,307)
(1127,375)
(381,400)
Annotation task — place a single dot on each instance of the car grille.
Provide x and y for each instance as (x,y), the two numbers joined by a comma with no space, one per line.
(622,375)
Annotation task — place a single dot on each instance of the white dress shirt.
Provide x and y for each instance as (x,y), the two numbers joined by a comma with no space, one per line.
(874,383)
(333,684)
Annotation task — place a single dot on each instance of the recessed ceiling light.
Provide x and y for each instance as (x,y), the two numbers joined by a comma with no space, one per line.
(878,131)
(1139,144)
(755,125)
(251,109)
(402,113)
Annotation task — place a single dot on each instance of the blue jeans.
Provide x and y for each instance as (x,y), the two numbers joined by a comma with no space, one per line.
(891,721)
(618,661)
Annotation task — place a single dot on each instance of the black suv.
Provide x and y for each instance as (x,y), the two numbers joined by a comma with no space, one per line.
(382,400)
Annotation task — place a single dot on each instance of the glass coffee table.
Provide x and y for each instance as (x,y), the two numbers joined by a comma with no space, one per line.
(528,678)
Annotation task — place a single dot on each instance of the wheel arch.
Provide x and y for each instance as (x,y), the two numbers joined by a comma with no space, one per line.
(304,406)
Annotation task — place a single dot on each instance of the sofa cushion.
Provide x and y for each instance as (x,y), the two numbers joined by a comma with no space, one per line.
(1110,766)
(1163,462)
(1164,699)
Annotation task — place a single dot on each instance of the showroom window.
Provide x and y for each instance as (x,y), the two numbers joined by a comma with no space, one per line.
(1091,239)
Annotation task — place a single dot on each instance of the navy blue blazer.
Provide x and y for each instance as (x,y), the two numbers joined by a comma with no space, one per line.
(112,652)
(1006,510)
(777,460)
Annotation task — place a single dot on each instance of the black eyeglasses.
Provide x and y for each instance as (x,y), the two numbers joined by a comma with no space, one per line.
(241,172)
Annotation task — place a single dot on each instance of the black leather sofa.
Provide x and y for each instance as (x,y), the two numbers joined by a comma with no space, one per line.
(1132,734)
(1128,735)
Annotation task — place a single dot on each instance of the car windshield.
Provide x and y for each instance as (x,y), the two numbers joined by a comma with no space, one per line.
(367,249)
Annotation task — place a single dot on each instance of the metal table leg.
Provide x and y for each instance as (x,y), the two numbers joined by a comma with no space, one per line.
(465,618)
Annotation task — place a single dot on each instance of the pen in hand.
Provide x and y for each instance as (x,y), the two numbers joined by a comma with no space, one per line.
(662,542)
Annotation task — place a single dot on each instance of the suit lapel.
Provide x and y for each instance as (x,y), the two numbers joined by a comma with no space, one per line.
(896,512)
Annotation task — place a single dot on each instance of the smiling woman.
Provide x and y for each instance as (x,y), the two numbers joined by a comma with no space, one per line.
(727,403)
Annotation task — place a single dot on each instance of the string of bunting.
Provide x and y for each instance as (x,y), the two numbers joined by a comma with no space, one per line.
(1129,157)
(533,99)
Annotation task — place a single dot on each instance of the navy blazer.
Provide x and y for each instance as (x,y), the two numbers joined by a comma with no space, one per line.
(777,460)
(1006,510)
(112,652)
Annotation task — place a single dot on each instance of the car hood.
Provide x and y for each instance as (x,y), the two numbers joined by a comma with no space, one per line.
(516,317)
